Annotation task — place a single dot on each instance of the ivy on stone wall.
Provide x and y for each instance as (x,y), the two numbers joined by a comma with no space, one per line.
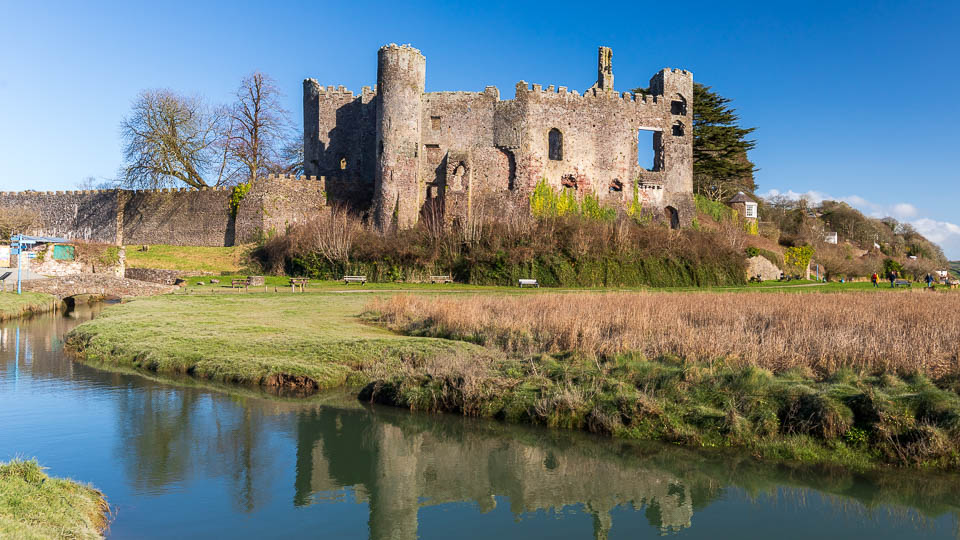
(237,194)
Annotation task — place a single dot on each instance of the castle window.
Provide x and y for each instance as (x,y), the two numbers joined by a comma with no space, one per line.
(555,145)
(435,123)
(649,145)
(679,106)
(673,217)
(678,129)
(343,164)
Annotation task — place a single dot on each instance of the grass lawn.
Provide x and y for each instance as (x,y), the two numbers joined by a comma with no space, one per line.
(36,506)
(14,305)
(188,258)
(305,340)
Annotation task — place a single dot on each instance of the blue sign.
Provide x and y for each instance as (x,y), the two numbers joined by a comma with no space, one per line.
(14,251)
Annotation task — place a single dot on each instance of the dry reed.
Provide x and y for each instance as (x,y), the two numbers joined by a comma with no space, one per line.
(906,332)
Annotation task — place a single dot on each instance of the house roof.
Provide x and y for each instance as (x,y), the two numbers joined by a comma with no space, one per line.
(741,197)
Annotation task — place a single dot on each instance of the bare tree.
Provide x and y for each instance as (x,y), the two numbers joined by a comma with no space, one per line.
(258,129)
(91,182)
(170,139)
(335,234)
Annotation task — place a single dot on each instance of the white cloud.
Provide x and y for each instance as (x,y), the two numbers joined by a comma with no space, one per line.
(942,232)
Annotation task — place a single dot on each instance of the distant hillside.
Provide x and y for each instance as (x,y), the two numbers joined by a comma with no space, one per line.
(955,267)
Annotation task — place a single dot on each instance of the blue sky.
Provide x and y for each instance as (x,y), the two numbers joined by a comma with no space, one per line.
(851,100)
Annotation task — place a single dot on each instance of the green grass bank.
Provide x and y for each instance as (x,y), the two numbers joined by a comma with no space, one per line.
(302,341)
(14,305)
(36,506)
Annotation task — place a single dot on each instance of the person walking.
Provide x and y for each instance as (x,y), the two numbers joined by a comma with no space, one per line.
(893,277)
(875,279)
(929,280)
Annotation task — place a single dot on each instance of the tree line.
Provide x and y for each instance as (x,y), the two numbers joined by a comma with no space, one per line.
(172,139)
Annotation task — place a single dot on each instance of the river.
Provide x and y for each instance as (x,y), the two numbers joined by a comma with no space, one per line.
(195,461)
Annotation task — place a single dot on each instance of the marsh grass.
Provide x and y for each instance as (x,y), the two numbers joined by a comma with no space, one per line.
(776,331)
(790,377)
(14,305)
(34,505)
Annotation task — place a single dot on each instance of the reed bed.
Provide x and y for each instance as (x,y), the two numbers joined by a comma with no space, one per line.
(904,332)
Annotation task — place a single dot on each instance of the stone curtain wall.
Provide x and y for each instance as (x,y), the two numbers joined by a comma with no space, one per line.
(172,216)
(177,217)
(89,215)
(275,202)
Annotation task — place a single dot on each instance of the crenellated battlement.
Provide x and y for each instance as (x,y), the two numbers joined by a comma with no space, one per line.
(562,92)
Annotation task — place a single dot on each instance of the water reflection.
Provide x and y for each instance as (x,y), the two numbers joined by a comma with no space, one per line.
(273,461)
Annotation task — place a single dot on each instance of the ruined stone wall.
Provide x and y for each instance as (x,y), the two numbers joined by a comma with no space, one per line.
(437,152)
(339,141)
(82,215)
(276,202)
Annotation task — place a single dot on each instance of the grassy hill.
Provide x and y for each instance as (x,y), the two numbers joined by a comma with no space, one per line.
(955,267)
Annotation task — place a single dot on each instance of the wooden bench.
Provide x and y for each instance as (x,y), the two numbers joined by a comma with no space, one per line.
(528,283)
(355,279)
(902,283)
(237,283)
(298,281)
(441,279)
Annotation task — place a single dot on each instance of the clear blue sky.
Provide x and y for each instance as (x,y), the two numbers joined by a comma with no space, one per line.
(851,100)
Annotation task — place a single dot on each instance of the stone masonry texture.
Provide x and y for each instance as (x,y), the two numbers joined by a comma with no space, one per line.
(173,216)
(410,153)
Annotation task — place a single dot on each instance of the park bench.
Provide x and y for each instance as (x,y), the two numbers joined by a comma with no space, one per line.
(528,283)
(355,279)
(237,283)
(902,283)
(441,279)
(301,282)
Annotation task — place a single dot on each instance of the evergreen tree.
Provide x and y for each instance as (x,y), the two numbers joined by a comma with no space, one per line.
(721,167)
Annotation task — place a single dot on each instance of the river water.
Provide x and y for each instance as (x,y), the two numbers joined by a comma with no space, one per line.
(192,461)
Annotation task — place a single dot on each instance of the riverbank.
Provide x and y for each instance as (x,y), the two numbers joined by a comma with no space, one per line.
(797,403)
(304,342)
(34,505)
(14,305)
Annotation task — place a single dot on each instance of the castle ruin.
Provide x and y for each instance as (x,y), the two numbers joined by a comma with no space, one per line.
(403,153)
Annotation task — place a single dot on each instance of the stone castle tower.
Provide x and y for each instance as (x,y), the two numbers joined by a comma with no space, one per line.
(404,154)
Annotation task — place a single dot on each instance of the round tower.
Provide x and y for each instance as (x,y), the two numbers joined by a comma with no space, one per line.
(401,72)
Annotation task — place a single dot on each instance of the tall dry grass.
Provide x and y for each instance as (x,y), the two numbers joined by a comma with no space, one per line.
(778,331)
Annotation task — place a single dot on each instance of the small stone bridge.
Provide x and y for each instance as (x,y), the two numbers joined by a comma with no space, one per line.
(96,284)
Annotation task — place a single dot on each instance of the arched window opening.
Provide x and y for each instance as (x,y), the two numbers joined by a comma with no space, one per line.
(678,106)
(555,145)
(343,164)
(673,217)
(678,129)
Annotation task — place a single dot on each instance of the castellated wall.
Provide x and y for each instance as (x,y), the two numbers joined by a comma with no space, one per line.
(173,216)
(84,215)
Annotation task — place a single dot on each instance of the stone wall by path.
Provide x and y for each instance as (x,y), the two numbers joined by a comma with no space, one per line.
(98,284)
